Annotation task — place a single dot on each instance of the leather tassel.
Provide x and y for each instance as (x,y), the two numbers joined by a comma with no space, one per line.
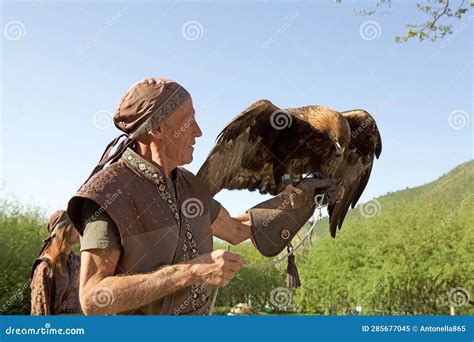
(293,280)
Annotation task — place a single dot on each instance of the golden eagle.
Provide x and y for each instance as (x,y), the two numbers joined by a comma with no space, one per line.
(265,148)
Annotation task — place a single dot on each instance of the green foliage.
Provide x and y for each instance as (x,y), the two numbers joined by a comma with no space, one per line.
(403,261)
(251,285)
(439,19)
(22,231)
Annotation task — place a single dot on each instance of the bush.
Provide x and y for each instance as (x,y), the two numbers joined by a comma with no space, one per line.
(22,230)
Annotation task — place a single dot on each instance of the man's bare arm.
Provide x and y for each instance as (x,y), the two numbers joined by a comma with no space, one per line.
(101,292)
(231,229)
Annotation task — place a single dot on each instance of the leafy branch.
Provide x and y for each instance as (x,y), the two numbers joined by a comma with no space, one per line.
(438,24)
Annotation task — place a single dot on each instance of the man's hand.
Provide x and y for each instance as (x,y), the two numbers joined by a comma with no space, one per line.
(127,292)
(217,268)
(234,230)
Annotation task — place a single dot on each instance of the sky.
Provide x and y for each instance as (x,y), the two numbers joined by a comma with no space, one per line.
(65,66)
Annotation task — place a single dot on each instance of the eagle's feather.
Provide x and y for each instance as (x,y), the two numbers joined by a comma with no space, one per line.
(264,142)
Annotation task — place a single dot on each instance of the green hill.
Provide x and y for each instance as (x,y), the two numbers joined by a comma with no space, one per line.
(400,253)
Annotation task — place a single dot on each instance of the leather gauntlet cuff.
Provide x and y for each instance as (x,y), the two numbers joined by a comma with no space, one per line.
(276,221)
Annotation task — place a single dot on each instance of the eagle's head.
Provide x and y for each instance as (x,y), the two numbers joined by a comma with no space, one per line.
(340,133)
(335,126)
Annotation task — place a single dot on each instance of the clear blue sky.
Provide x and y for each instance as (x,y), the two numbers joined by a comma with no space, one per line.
(74,59)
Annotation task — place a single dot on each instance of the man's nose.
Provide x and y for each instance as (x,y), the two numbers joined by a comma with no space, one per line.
(197,130)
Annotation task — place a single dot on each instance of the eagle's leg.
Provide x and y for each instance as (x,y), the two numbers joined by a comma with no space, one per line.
(317,174)
(281,176)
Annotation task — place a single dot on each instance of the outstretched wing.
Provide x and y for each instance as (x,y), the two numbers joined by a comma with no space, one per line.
(238,159)
(355,169)
(261,144)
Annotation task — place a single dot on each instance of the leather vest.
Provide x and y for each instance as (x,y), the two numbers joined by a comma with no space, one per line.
(155,229)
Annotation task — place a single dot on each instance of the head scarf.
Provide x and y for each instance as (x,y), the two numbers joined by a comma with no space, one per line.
(142,108)
(57,221)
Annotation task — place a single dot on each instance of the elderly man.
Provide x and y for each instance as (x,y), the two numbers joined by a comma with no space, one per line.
(146,223)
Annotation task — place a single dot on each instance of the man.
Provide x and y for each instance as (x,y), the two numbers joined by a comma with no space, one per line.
(147,224)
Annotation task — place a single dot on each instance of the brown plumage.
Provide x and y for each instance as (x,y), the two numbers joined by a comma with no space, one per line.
(355,169)
(264,142)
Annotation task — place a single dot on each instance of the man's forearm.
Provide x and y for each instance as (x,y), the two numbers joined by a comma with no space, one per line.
(120,293)
(231,229)
(242,230)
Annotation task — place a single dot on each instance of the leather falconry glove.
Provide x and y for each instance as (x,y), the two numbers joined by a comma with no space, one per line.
(276,221)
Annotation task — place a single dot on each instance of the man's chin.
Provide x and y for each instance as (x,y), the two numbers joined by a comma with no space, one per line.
(187,160)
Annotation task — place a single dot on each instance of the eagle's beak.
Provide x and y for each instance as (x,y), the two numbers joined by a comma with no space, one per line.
(339,149)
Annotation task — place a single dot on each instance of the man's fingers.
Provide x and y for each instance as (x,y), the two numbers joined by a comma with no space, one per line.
(233,266)
(242,218)
(229,275)
(229,256)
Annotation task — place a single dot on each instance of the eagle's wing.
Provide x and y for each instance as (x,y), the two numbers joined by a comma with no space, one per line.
(355,169)
(236,161)
(261,144)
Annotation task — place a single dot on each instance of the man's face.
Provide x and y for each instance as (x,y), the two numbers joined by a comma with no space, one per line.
(179,133)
